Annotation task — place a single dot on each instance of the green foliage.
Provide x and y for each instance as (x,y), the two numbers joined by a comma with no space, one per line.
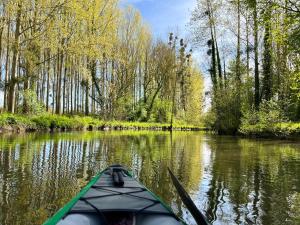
(265,66)
(265,120)
(270,112)
(139,114)
(227,110)
(51,121)
(123,109)
(32,105)
(225,113)
(295,86)
(96,57)
(223,116)
(54,121)
(209,119)
(161,112)
(16,121)
(65,122)
(294,36)
(287,129)
(195,99)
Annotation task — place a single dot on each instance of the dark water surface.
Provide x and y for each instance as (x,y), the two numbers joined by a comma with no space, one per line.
(232,180)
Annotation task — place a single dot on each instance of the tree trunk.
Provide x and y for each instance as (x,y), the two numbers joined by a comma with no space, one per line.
(213,63)
(256,65)
(140,81)
(44,79)
(93,65)
(1,36)
(247,47)
(213,71)
(78,92)
(72,86)
(219,65)
(64,86)
(6,66)
(224,72)
(54,86)
(93,101)
(86,98)
(149,110)
(217,59)
(238,53)
(59,84)
(267,62)
(145,78)
(48,82)
(13,80)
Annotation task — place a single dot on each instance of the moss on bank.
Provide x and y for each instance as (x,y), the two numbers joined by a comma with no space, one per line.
(19,123)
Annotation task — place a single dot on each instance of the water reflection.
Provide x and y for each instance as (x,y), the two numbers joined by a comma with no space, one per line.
(234,181)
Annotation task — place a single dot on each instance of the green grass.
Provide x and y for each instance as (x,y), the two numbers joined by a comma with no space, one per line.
(283,129)
(50,121)
(288,128)
(16,121)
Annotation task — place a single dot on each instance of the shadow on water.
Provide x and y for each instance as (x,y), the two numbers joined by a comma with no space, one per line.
(253,182)
(234,181)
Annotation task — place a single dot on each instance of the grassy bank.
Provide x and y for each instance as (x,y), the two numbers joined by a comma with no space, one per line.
(23,123)
(286,129)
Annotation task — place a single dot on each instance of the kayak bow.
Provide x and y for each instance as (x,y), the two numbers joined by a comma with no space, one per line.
(115,197)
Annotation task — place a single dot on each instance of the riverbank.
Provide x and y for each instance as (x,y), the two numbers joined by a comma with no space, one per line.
(48,122)
(280,130)
(16,123)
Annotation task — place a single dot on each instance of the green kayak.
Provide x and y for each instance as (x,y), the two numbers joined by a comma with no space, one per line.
(114,197)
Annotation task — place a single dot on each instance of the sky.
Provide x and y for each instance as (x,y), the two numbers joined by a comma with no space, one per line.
(164,16)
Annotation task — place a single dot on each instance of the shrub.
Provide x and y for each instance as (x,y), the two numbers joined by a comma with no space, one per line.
(45,121)
(15,120)
(224,116)
(32,106)
(287,129)
(265,120)
(161,112)
(209,119)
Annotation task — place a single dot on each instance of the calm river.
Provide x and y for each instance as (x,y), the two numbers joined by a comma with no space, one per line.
(232,180)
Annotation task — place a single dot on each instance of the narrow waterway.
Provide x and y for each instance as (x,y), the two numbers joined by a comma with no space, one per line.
(232,180)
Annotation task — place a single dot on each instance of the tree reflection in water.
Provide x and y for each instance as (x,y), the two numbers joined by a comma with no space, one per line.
(234,181)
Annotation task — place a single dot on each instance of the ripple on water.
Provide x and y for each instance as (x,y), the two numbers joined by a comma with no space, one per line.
(232,180)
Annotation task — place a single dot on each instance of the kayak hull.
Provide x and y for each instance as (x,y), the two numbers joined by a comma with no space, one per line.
(114,196)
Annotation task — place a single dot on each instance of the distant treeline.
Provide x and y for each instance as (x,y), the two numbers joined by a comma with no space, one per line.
(254,52)
(93,57)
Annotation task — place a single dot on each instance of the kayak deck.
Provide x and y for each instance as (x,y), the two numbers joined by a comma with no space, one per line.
(117,197)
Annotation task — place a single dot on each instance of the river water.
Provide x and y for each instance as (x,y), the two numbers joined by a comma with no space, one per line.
(232,180)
